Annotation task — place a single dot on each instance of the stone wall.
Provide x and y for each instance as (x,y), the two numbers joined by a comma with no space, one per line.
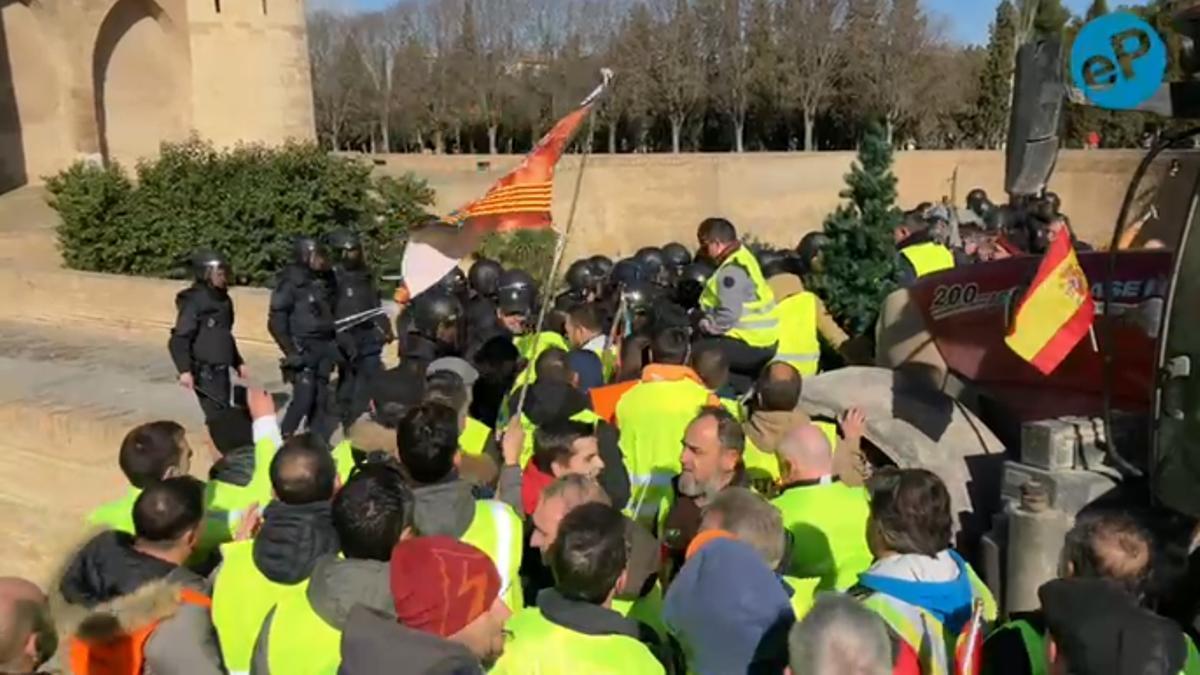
(112,79)
(629,201)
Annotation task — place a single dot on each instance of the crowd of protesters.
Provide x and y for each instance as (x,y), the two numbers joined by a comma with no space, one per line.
(631,487)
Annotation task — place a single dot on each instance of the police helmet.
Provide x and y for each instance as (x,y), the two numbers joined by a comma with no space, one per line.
(304,247)
(639,296)
(519,279)
(433,309)
(454,282)
(977,201)
(344,240)
(602,266)
(205,261)
(580,276)
(515,300)
(484,277)
(652,259)
(691,282)
(1054,202)
(677,255)
(628,271)
(773,263)
(810,247)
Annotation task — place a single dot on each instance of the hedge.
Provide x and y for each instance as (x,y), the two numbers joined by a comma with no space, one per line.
(248,202)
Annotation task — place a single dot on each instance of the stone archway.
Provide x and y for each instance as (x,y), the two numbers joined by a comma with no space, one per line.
(31,105)
(137,82)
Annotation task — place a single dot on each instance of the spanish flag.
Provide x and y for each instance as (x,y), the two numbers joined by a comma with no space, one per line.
(521,199)
(1057,310)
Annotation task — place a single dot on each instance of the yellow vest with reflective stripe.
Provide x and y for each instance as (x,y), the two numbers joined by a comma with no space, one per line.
(758,326)
(647,609)
(540,646)
(804,594)
(928,257)
(922,631)
(474,437)
(549,340)
(497,531)
(241,599)
(828,523)
(300,642)
(799,345)
(653,418)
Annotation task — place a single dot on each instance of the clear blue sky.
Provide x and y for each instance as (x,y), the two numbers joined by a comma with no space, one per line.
(969,19)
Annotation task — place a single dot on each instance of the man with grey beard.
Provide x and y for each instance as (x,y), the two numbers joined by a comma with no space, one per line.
(712,461)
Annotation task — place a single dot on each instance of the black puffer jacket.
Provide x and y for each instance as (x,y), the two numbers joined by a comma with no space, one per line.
(108,567)
(292,539)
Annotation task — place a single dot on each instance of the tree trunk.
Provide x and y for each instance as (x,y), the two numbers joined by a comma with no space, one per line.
(493,132)
(439,142)
(810,127)
(420,140)
(458,139)
(890,128)
(612,138)
(739,133)
(385,134)
(333,137)
(676,133)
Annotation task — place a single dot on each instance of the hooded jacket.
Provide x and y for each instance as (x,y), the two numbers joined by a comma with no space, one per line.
(446,508)
(729,612)
(373,643)
(292,539)
(938,585)
(336,586)
(107,579)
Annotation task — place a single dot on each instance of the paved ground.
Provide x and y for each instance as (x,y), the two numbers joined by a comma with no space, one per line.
(67,397)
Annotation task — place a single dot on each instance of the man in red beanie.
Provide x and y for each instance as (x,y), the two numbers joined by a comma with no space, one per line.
(449,614)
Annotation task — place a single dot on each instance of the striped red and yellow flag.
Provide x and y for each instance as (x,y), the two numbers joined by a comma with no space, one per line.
(522,198)
(1057,310)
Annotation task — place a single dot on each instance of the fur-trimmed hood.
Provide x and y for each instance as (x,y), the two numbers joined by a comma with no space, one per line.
(156,601)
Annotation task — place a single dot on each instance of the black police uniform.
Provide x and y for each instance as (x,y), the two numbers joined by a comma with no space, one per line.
(202,344)
(302,323)
(361,343)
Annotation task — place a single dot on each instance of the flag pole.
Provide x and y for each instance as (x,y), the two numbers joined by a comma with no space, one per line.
(561,247)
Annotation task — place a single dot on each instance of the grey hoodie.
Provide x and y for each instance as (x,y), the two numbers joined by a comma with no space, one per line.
(337,585)
(445,508)
(375,644)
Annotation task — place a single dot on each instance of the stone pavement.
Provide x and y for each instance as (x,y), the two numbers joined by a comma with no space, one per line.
(68,395)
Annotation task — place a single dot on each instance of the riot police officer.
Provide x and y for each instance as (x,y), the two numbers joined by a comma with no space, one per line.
(655,264)
(362,328)
(302,324)
(434,327)
(582,283)
(691,282)
(484,280)
(202,343)
(676,257)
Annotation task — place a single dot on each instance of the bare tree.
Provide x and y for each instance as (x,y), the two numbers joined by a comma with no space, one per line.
(813,55)
(677,65)
(730,60)
(379,37)
(334,94)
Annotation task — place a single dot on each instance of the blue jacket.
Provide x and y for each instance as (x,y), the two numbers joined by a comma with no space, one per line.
(729,612)
(948,601)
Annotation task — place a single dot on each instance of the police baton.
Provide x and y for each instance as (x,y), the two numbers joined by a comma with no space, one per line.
(358,319)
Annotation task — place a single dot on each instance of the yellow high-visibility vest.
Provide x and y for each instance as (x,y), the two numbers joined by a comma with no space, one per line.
(928,257)
(241,599)
(758,326)
(653,418)
(540,646)
(799,345)
(497,531)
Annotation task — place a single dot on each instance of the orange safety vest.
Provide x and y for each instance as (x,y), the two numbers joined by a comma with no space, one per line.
(123,654)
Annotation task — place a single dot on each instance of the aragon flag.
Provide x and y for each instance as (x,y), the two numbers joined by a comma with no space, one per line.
(521,199)
(1057,310)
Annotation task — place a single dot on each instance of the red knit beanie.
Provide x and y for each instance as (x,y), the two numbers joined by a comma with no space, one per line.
(440,585)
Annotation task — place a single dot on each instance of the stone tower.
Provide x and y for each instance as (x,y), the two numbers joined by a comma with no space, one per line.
(111,79)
